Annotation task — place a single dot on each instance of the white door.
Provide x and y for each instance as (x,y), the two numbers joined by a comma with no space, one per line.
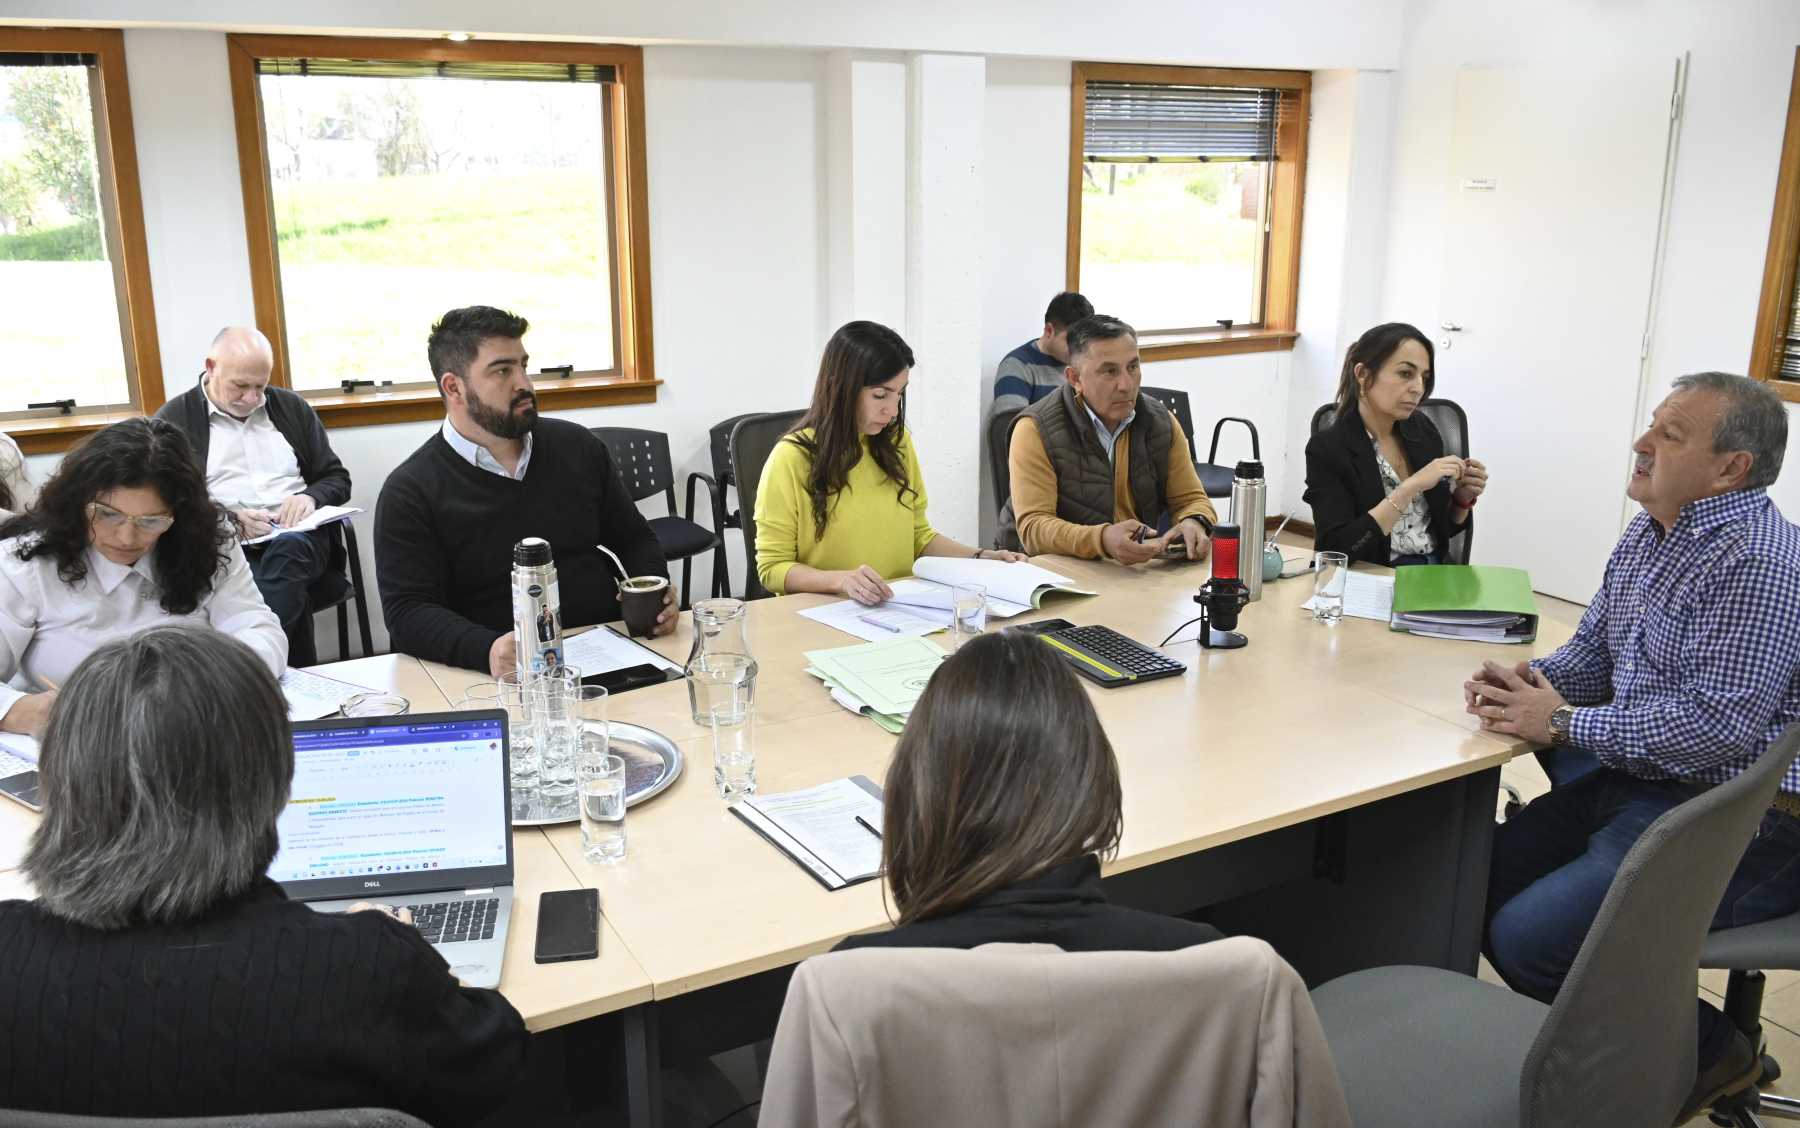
(1555,196)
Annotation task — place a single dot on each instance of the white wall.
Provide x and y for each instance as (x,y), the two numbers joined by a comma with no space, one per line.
(1301,34)
(1742,64)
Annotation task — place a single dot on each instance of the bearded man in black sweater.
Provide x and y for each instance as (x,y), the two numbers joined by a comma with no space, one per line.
(494,474)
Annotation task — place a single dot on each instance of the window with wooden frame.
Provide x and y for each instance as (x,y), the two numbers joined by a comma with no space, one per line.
(78,323)
(1775,352)
(387,181)
(1184,203)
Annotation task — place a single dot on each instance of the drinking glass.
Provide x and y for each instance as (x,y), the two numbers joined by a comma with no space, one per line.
(968,614)
(602,805)
(1331,572)
(558,729)
(724,692)
(508,695)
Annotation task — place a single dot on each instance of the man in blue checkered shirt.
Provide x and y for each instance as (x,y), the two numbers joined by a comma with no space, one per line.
(1684,669)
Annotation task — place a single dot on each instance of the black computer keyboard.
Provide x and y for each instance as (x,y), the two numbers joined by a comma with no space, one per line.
(1109,658)
(448,922)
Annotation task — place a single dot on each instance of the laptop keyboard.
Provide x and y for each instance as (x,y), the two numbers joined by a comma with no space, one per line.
(451,922)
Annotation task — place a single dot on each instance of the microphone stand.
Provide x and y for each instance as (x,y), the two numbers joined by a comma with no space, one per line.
(1221,598)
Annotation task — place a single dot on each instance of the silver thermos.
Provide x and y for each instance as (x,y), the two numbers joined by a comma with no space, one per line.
(537,607)
(1249,509)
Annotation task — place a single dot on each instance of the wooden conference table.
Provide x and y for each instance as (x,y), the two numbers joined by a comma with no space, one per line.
(1321,788)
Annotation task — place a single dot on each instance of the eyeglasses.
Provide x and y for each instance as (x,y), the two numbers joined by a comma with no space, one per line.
(111,518)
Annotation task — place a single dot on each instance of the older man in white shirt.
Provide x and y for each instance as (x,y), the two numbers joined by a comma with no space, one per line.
(267,460)
(121,538)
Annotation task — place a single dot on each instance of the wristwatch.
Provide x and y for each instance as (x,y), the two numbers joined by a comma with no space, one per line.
(1560,720)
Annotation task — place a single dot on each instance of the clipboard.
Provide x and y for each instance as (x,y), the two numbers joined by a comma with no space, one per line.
(787,839)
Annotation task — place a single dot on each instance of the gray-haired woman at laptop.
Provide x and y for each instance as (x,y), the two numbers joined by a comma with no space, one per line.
(161,973)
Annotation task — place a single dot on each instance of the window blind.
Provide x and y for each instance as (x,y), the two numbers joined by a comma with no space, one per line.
(47,59)
(1133,122)
(403,68)
(1790,346)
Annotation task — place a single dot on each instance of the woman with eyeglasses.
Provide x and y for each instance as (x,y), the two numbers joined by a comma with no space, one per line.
(122,536)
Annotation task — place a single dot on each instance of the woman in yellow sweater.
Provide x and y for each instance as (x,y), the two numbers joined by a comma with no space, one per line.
(841,506)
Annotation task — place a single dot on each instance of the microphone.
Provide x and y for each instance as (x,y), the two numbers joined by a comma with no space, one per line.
(1221,597)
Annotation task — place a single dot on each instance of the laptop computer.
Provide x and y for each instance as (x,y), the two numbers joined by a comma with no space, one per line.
(409,811)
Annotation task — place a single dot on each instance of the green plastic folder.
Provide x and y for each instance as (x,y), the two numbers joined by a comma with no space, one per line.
(1474,602)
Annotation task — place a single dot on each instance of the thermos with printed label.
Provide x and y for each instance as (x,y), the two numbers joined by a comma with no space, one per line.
(1249,508)
(537,607)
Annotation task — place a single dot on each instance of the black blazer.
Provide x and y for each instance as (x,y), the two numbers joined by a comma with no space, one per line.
(327,482)
(1064,906)
(262,1005)
(1343,483)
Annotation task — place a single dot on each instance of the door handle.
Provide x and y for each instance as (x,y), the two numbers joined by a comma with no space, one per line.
(1449,327)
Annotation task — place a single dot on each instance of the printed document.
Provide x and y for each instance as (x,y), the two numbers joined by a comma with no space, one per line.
(322,516)
(817,827)
(311,696)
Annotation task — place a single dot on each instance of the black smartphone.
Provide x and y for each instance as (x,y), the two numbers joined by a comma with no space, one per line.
(568,925)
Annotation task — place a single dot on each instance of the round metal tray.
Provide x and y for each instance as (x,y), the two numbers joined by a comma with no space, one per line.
(652,763)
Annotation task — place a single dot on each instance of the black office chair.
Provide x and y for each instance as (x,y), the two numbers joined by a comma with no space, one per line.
(1453,424)
(753,439)
(1176,401)
(644,466)
(999,441)
(1216,476)
(717,483)
(341,587)
(1747,952)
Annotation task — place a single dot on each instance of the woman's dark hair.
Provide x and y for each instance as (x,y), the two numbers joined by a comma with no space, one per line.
(149,453)
(1372,350)
(1003,772)
(860,355)
(161,787)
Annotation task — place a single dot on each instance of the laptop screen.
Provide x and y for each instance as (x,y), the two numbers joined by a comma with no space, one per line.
(402,803)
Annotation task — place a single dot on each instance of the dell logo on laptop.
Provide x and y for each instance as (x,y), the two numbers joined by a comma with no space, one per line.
(371,885)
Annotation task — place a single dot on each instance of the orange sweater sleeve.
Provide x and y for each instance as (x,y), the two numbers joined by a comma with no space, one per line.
(1187,497)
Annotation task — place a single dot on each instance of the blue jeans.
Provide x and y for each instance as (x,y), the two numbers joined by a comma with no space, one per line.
(1554,861)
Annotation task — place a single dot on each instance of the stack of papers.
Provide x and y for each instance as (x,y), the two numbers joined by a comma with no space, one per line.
(324,515)
(879,680)
(922,604)
(1366,596)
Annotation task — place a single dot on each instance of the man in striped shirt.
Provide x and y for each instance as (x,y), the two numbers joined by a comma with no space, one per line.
(1684,669)
(1036,368)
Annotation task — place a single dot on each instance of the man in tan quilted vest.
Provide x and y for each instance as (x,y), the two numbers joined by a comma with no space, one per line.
(1097,466)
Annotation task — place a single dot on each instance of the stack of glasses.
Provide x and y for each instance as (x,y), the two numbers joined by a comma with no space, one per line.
(560,753)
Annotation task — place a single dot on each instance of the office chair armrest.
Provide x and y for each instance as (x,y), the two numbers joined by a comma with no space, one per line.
(714,496)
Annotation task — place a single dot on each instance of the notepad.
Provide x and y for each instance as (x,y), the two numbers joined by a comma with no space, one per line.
(1013,587)
(319,518)
(817,828)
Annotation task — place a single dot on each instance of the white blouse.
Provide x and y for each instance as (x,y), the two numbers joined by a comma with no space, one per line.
(47,626)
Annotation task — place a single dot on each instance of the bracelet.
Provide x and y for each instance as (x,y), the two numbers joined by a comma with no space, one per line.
(978,553)
(1399,512)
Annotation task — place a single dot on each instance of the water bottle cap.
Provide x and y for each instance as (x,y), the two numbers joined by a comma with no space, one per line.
(1250,468)
(532,550)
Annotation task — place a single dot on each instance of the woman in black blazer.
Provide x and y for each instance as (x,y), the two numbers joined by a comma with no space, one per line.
(1381,488)
(1002,797)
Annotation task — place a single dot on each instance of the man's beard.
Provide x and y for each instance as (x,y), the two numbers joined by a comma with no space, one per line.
(507,424)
